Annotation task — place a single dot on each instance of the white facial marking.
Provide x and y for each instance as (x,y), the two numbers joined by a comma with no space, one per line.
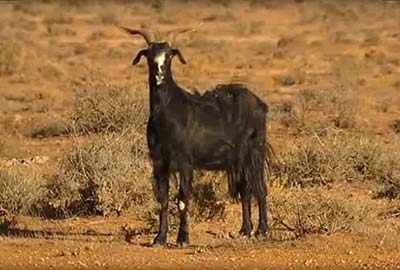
(160,59)
(181,205)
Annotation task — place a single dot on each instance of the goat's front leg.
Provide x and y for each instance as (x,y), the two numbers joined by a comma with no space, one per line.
(185,186)
(161,178)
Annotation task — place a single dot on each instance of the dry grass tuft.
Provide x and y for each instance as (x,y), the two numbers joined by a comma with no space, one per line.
(390,190)
(18,189)
(316,110)
(209,192)
(299,212)
(106,18)
(7,223)
(47,126)
(101,107)
(207,202)
(338,156)
(58,17)
(395,125)
(102,176)
(50,71)
(10,56)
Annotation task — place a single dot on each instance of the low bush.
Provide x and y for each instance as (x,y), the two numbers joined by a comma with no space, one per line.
(18,189)
(317,110)
(338,156)
(101,107)
(102,176)
(298,212)
(390,189)
(10,56)
(209,196)
(46,126)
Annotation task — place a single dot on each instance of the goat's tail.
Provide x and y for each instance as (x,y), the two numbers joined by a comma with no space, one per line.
(252,167)
(270,158)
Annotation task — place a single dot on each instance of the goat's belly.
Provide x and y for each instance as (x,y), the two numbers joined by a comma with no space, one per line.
(212,166)
(213,158)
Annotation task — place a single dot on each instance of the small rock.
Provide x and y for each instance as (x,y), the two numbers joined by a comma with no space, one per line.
(308,262)
(65,253)
(40,159)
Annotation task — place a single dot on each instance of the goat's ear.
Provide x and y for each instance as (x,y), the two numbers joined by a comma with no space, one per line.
(138,56)
(179,54)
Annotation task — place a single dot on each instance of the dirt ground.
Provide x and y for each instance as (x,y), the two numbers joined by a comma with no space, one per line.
(97,243)
(264,44)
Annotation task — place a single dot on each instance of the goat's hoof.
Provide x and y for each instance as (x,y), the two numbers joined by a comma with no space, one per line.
(261,232)
(183,240)
(159,241)
(182,244)
(245,231)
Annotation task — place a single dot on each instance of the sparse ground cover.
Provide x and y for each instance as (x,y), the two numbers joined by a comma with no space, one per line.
(75,185)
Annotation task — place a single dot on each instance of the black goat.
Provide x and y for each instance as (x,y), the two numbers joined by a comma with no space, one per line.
(223,129)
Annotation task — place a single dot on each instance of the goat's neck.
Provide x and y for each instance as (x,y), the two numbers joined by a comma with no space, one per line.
(162,87)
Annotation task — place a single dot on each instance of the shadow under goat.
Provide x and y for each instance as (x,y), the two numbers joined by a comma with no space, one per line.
(223,129)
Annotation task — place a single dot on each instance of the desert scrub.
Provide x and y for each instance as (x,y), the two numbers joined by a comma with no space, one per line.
(46,125)
(102,176)
(18,189)
(10,56)
(208,200)
(58,17)
(390,189)
(316,110)
(338,156)
(298,212)
(209,196)
(102,107)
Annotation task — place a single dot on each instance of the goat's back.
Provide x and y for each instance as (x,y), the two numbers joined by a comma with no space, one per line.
(238,99)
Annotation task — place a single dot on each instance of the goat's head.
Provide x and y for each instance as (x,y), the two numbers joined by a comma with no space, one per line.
(158,53)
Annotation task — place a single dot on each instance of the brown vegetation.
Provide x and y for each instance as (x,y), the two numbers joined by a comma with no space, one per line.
(329,72)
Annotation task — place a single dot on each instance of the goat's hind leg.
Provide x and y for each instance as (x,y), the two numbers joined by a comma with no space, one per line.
(259,190)
(245,196)
(185,186)
(262,210)
(260,193)
(161,178)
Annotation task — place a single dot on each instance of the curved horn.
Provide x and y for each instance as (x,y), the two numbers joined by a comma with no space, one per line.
(143,33)
(174,33)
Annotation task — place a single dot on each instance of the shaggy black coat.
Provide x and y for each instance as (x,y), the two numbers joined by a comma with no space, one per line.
(223,129)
